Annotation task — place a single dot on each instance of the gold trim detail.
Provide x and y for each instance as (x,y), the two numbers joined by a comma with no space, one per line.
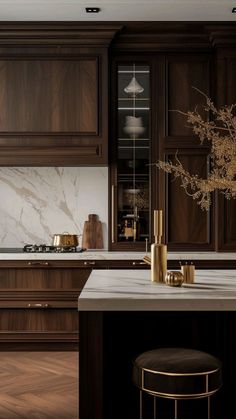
(176,374)
(207,393)
(180,396)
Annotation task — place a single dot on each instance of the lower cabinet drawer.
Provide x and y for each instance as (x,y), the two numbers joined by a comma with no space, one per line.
(39,324)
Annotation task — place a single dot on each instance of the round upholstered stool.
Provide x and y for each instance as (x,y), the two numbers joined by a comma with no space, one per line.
(177,373)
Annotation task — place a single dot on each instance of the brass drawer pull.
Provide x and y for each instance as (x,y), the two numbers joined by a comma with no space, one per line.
(89,263)
(38,305)
(138,263)
(38,263)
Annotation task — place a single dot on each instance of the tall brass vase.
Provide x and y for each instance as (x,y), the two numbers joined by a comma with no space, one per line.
(158,251)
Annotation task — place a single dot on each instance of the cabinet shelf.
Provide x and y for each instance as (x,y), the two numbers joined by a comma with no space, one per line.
(136,174)
(132,147)
(126,210)
(141,99)
(133,71)
(132,139)
(133,108)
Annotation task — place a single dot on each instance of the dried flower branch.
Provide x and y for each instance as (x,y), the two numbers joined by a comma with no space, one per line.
(221,133)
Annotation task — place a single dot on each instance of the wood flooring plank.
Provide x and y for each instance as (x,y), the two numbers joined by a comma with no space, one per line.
(38,385)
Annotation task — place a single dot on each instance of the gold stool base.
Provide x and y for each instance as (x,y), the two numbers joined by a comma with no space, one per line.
(175,407)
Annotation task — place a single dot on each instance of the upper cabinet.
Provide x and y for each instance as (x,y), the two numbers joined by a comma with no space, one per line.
(146,129)
(54,94)
(186,225)
(164,66)
(226,93)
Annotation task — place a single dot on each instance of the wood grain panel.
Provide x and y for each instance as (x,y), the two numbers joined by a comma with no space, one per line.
(49,96)
(229,222)
(43,279)
(230,206)
(227,95)
(183,73)
(186,224)
(38,320)
(38,303)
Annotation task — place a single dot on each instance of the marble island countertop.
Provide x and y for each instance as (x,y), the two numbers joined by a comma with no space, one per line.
(130,290)
(8,254)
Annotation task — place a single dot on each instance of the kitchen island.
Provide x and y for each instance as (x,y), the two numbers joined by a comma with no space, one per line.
(39,290)
(123,314)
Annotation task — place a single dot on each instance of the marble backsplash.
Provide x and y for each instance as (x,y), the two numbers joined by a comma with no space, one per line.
(37,202)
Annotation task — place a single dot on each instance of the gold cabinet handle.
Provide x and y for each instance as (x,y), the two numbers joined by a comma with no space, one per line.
(113,214)
(38,305)
(89,263)
(138,263)
(38,263)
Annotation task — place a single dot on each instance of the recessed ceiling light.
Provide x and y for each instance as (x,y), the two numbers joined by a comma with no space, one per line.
(234,10)
(92,9)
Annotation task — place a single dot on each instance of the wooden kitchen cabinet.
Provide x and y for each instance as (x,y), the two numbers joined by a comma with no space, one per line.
(180,57)
(54,101)
(164,82)
(38,303)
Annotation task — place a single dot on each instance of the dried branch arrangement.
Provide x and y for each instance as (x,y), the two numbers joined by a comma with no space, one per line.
(221,133)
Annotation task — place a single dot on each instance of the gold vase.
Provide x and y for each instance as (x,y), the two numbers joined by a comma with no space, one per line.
(158,251)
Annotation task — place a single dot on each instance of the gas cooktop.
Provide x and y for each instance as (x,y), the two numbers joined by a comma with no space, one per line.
(42,248)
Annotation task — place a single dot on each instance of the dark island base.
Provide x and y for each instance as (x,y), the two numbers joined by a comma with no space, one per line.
(110,340)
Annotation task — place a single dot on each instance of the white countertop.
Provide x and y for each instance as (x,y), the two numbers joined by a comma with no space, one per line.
(106,255)
(130,290)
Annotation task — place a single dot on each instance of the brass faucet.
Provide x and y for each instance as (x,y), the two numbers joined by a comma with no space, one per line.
(147,260)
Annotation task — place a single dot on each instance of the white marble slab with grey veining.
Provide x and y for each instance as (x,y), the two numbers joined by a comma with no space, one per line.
(107,255)
(125,290)
(37,202)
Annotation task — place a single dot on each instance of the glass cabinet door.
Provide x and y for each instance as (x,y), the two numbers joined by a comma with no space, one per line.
(133,153)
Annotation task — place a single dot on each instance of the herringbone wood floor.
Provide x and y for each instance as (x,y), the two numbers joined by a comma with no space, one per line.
(38,385)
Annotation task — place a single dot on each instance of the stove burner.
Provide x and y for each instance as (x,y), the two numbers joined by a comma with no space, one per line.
(44,248)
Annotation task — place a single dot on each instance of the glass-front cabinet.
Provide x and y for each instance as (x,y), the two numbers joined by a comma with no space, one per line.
(131,157)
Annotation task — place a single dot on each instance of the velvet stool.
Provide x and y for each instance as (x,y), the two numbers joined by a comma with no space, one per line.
(178,374)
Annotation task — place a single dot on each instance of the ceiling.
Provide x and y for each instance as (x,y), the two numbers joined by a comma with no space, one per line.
(118,10)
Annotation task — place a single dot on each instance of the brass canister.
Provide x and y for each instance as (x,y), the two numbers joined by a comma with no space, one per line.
(188,271)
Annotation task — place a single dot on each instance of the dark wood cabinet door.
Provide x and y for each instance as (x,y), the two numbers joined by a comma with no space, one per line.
(187,226)
(54,94)
(53,109)
(49,96)
(226,93)
(184,74)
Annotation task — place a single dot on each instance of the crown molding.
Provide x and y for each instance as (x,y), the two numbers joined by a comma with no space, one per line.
(54,33)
